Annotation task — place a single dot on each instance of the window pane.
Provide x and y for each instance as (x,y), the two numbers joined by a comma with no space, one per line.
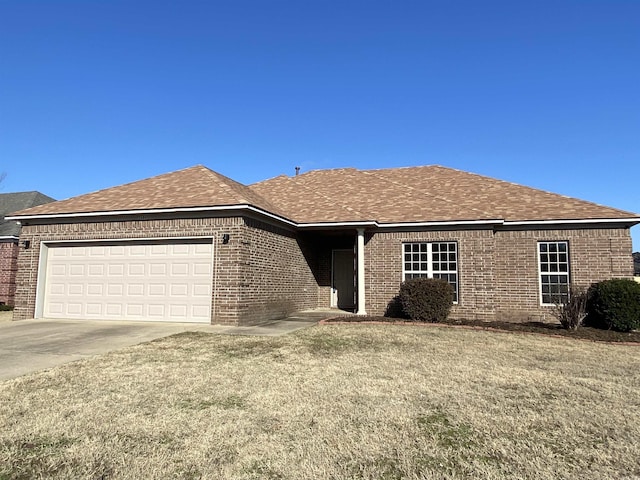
(443,258)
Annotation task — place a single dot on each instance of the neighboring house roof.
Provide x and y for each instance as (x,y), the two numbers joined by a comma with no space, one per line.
(12,202)
(387,196)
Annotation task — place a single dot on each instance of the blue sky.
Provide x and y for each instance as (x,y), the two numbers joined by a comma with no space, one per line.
(543,93)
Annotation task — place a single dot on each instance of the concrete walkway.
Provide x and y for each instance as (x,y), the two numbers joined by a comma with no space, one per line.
(30,345)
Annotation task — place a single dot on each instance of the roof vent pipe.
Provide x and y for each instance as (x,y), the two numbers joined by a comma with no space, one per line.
(297,171)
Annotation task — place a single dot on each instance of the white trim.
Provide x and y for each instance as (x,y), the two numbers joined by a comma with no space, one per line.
(540,273)
(41,280)
(577,221)
(135,239)
(9,237)
(360,274)
(243,206)
(429,272)
(338,224)
(440,223)
(364,223)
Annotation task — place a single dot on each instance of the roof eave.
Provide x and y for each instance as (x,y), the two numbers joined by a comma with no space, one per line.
(627,221)
(630,221)
(150,211)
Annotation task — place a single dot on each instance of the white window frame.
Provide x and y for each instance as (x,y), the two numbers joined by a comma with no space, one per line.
(429,272)
(566,274)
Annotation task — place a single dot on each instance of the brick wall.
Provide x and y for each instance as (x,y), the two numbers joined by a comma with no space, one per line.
(594,255)
(8,270)
(383,269)
(237,268)
(265,272)
(498,272)
(278,273)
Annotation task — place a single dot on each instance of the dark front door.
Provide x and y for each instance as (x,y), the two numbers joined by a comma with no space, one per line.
(343,280)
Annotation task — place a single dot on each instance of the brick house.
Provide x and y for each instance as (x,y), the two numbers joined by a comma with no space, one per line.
(194,245)
(9,235)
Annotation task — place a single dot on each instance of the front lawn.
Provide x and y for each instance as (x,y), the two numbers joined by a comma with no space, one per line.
(541,328)
(334,401)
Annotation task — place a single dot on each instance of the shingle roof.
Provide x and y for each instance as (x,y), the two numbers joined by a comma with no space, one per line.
(12,202)
(192,187)
(394,195)
(421,194)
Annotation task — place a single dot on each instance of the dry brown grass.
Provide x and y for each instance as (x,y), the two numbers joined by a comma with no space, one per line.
(6,316)
(336,401)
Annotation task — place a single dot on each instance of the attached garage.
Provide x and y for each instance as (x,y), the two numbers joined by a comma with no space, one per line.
(127,280)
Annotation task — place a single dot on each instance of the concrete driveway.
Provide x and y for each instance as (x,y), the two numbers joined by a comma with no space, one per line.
(30,345)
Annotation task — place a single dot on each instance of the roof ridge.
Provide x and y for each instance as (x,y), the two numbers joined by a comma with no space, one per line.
(421,192)
(154,177)
(246,193)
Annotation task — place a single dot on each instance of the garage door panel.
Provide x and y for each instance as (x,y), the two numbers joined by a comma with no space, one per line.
(76,270)
(136,269)
(95,270)
(94,309)
(95,289)
(135,290)
(171,282)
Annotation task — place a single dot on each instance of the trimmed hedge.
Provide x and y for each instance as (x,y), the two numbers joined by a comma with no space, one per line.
(426,299)
(614,305)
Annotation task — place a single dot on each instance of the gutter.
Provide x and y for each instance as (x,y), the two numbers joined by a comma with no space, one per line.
(629,220)
(311,225)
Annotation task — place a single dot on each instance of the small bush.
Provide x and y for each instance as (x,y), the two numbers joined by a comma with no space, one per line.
(574,310)
(614,305)
(5,308)
(426,299)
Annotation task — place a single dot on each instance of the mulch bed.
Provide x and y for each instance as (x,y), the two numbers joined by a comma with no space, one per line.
(550,329)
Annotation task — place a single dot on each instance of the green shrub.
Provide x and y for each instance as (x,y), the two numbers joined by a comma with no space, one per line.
(614,305)
(5,308)
(426,299)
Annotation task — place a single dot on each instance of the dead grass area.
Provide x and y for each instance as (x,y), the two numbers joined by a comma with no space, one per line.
(553,329)
(335,401)
(6,316)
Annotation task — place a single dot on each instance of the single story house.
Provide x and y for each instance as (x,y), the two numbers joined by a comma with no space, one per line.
(196,246)
(9,235)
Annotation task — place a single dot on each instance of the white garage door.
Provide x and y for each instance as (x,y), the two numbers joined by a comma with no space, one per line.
(130,281)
